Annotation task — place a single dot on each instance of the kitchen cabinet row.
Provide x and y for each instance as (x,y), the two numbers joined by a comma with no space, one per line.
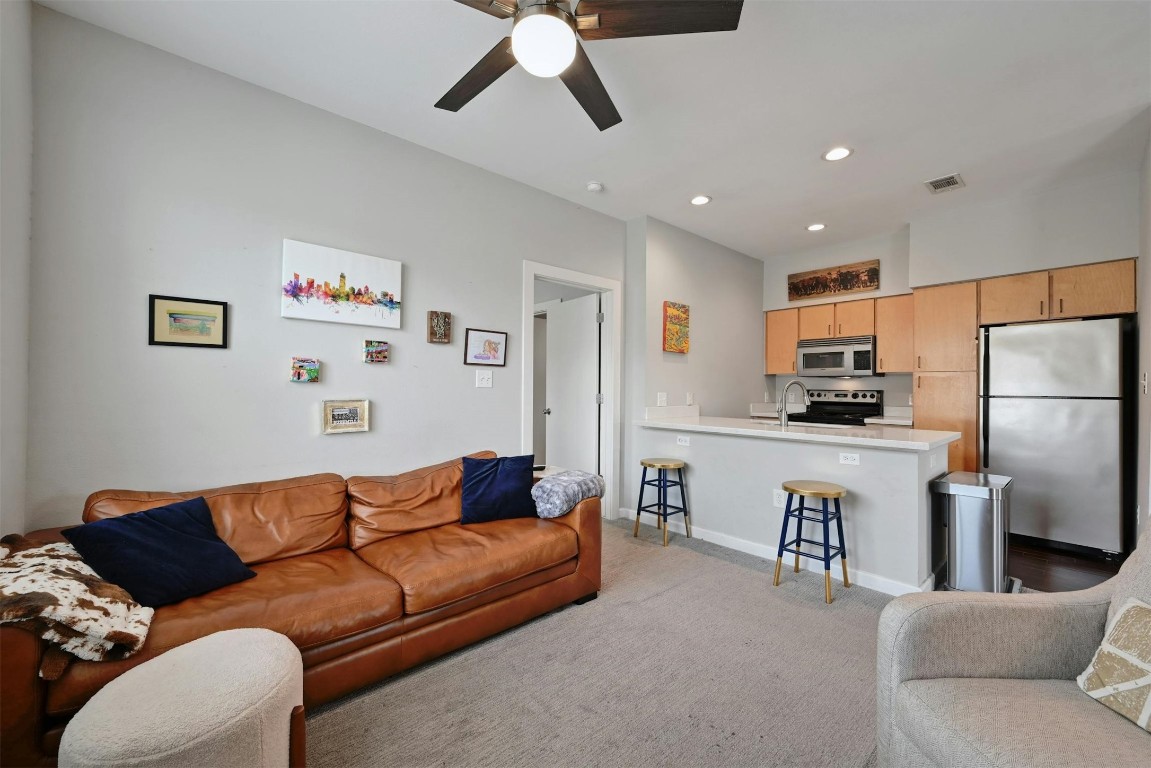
(889,319)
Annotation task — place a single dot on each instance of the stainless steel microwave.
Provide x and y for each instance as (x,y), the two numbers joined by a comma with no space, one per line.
(854,356)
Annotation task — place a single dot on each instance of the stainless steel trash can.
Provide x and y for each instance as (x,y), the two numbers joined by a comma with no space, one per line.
(977,515)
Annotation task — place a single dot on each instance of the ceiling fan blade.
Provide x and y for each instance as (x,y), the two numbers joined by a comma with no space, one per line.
(642,18)
(581,79)
(494,63)
(501,9)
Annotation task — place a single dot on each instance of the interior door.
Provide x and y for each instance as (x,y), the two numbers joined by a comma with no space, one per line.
(571,406)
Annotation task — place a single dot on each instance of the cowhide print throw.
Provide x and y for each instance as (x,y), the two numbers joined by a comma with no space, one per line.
(49,590)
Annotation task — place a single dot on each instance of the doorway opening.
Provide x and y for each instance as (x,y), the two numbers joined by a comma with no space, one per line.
(571,389)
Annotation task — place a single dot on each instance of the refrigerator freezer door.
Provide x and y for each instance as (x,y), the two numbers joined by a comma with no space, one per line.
(1064,458)
(1079,358)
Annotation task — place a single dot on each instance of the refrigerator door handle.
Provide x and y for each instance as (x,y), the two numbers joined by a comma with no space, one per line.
(986,452)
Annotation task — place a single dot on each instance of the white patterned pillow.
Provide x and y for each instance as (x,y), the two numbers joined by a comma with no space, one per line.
(1119,676)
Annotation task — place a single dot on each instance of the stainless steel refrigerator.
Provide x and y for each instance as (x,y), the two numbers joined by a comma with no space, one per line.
(1054,407)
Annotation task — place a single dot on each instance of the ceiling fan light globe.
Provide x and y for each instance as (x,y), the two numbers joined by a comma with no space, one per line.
(543,44)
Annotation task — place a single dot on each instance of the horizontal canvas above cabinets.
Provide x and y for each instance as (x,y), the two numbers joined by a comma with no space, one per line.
(335,286)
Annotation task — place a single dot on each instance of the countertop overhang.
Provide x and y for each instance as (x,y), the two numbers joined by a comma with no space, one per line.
(871,436)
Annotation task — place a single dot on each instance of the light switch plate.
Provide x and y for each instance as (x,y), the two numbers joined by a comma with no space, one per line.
(778,498)
(690,398)
(660,399)
(483,378)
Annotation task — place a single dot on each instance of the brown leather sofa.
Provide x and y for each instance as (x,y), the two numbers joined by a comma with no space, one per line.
(367,576)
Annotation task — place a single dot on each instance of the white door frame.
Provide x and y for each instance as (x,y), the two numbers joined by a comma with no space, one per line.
(610,367)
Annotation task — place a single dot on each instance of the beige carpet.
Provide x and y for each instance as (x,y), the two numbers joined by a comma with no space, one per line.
(688,658)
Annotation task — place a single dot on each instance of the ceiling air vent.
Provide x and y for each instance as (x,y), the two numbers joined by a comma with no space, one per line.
(944,183)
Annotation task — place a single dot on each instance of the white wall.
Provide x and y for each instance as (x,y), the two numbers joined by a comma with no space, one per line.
(15,255)
(724,369)
(1143,292)
(891,250)
(1077,222)
(155,175)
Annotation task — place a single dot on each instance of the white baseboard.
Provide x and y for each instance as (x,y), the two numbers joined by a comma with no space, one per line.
(862,578)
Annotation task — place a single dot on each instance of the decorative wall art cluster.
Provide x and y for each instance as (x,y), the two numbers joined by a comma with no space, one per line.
(676,327)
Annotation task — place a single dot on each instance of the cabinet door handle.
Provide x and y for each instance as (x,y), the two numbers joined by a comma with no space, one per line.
(829,329)
(919,361)
(841,329)
(919,382)
(1041,307)
(1061,306)
(881,363)
(793,365)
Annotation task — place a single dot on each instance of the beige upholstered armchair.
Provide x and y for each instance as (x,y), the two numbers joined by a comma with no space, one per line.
(975,679)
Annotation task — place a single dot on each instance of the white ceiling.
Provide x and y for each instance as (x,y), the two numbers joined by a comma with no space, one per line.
(1011,94)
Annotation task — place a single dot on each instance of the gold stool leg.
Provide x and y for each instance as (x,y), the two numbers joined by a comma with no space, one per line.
(635,532)
(827,586)
(687,522)
(665,533)
(846,581)
(778,563)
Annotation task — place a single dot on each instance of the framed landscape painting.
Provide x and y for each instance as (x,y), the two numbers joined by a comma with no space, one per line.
(178,322)
(850,278)
(334,286)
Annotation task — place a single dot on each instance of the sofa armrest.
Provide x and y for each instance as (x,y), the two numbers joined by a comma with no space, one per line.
(585,520)
(961,634)
(49,535)
(22,695)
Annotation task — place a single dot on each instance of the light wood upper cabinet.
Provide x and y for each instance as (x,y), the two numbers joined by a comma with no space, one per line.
(855,318)
(817,322)
(946,326)
(895,351)
(949,401)
(780,336)
(1093,289)
(1015,299)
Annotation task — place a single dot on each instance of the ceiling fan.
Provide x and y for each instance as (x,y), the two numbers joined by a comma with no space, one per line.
(543,41)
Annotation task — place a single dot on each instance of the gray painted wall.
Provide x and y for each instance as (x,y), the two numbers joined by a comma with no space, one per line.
(15,255)
(1081,221)
(1143,291)
(155,175)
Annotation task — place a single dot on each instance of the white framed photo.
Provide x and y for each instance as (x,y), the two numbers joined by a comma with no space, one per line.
(345,416)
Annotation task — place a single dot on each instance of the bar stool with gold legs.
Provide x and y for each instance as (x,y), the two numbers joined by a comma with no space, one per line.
(662,483)
(826,492)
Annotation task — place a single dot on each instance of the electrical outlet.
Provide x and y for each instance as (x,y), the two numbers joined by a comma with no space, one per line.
(690,398)
(778,498)
(682,440)
(483,378)
(933,460)
(660,399)
(791,397)
(849,458)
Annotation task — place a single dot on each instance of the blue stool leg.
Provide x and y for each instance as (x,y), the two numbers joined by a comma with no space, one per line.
(639,504)
(782,540)
(799,530)
(842,544)
(663,501)
(683,501)
(826,553)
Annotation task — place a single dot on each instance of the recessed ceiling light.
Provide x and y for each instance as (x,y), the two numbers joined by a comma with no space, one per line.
(700,200)
(814,227)
(837,153)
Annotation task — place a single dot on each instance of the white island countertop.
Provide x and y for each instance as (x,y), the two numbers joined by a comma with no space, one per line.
(872,436)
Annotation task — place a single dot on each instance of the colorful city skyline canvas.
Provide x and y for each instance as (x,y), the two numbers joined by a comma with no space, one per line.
(334,286)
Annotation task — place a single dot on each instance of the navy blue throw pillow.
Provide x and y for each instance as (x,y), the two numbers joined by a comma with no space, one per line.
(161,555)
(497,489)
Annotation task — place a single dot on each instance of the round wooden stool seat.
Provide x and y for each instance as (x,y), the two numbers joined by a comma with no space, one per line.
(815,489)
(662,463)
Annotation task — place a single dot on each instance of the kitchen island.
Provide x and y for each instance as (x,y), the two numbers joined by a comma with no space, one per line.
(734,464)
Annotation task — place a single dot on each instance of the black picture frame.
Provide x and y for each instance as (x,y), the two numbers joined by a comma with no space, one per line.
(476,350)
(167,335)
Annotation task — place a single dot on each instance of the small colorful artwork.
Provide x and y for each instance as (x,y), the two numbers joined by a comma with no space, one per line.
(305,370)
(335,286)
(485,347)
(850,278)
(375,351)
(439,327)
(676,327)
(176,322)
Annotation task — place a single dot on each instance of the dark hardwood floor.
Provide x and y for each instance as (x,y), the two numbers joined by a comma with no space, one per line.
(1052,571)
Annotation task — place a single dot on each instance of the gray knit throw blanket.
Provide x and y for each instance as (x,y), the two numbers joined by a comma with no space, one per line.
(556,495)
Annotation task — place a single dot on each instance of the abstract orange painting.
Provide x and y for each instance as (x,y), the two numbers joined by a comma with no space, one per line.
(675,327)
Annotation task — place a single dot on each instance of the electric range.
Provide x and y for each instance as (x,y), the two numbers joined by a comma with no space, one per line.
(838,406)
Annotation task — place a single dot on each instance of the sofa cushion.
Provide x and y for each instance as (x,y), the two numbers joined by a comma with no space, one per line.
(1005,722)
(1134,578)
(1119,675)
(497,489)
(313,599)
(441,565)
(385,506)
(161,555)
(261,521)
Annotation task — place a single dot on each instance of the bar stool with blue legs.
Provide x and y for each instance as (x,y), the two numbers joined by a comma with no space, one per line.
(662,483)
(826,492)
